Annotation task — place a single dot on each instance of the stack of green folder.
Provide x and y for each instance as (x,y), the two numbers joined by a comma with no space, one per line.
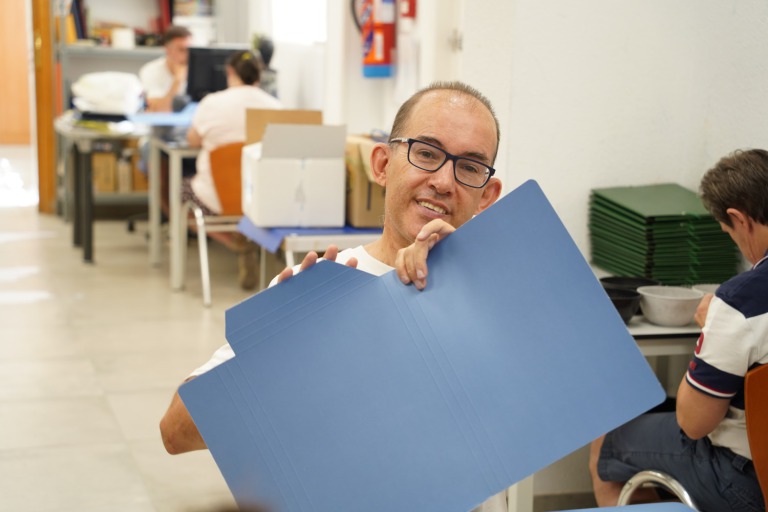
(659,231)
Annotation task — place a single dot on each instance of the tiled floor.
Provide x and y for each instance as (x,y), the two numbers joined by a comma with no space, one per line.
(90,355)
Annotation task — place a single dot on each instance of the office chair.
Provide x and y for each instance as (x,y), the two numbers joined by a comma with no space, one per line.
(756,411)
(225,169)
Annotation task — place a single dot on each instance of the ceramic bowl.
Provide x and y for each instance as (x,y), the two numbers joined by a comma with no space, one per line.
(670,306)
(626,302)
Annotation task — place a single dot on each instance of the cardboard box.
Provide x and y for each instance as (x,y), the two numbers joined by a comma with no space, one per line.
(365,197)
(295,177)
(104,168)
(256,120)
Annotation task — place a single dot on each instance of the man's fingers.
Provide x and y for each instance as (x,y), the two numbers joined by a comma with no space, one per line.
(331,252)
(435,227)
(309,260)
(287,273)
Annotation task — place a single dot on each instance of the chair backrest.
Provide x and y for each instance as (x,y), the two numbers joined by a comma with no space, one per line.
(756,409)
(225,169)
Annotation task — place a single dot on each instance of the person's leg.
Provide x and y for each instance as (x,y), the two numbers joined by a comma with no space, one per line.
(651,441)
(606,493)
(247,251)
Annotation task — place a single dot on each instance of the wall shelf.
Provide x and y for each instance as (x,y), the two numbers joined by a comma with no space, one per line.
(142,53)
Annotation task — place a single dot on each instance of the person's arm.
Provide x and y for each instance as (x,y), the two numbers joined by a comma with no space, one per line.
(165,103)
(194,139)
(179,433)
(702,309)
(697,413)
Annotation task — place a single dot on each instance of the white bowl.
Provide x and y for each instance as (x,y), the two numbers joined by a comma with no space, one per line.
(670,306)
(706,288)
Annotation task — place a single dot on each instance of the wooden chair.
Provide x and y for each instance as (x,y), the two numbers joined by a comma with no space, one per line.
(756,411)
(225,169)
(756,408)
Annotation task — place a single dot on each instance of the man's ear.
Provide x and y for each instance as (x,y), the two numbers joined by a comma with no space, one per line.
(491,193)
(379,161)
(738,218)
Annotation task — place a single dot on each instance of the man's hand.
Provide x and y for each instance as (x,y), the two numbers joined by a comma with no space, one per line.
(701,310)
(311,258)
(179,72)
(411,262)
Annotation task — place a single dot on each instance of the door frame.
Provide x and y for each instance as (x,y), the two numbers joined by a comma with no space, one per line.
(45,110)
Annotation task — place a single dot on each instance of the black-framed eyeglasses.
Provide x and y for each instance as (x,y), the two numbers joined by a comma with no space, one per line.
(430,158)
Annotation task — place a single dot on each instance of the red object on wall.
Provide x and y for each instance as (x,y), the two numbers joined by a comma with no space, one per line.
(377,23)
(407,8)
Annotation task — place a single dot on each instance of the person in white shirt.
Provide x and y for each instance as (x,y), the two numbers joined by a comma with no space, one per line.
(166,77)
(219,120)
(438,174)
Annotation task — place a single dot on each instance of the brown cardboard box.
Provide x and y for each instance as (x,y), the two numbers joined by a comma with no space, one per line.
(257,119)
(104,166)
(140,180)
(365,198)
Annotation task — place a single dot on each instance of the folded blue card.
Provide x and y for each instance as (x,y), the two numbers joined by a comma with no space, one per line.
(353,392)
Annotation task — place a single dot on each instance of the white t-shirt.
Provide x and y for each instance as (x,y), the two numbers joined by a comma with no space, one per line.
(156,79)
(365,262)
(220,119)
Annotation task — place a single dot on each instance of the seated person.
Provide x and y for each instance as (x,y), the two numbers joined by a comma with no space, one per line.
(422,206)
(704,445)
(219,120)
(268,75)
(166,77)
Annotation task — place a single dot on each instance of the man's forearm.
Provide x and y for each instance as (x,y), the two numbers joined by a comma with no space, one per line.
(179,432)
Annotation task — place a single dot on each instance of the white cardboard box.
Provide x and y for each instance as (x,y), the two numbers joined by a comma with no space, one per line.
(295,177)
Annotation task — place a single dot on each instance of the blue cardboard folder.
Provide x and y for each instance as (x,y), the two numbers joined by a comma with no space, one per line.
(353,392)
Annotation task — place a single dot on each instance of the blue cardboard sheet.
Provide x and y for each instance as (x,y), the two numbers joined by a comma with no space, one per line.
(354,392)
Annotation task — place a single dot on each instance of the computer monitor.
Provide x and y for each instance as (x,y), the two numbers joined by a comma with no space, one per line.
(206,70)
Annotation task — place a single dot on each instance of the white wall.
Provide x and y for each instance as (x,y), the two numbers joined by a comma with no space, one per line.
(615,92)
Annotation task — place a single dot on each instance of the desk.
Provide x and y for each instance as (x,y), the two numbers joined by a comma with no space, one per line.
(293,240)
(81,139)
(161,122)
(176,152)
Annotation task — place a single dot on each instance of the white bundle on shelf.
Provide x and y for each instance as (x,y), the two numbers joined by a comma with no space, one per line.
(108,92)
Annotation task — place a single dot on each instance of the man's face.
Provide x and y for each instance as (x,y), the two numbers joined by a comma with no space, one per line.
(177,50)
(740,236)
(460,125)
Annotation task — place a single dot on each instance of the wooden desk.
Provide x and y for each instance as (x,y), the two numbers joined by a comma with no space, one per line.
(81,141)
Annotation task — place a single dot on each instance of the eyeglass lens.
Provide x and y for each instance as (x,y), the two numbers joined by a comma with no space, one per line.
(430,158)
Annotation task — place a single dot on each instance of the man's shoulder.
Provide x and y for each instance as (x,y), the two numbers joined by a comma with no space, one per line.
(746,292)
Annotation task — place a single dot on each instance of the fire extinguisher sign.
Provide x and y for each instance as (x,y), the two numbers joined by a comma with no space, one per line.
(377,22)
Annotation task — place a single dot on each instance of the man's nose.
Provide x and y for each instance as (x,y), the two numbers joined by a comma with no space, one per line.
(442,179)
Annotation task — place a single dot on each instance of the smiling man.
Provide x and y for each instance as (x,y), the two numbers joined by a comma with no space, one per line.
(437,172)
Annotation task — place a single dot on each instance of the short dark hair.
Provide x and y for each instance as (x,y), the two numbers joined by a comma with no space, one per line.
(740,181)
(175,32)
(247,65)
(403,114)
